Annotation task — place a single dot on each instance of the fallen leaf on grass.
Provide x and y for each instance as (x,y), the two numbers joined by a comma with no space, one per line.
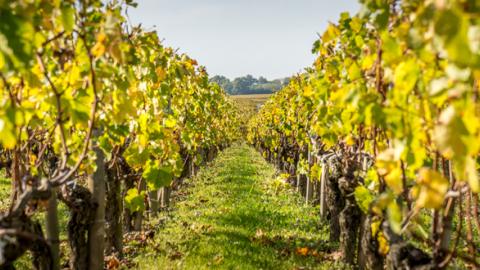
(302,251)
(112,263)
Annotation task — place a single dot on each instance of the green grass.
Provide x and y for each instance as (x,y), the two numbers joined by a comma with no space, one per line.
(5,188)
(234,215)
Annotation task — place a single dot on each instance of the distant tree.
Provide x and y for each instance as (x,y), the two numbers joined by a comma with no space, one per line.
(224,82)
(249,84)
(243,83)
(262,80)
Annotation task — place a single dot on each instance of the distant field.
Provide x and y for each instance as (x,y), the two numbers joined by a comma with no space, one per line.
(249,105)
(252,96)
(262,97)
(251,101)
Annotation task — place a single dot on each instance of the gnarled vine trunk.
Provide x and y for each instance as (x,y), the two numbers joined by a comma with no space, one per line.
(349,221)
(18,233)
(335,203)
(404,256)
(368,256)
(82,212)
(350,216)
(113,209)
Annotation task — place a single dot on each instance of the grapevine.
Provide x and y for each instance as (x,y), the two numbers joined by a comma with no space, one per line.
(88,104)
(391,103)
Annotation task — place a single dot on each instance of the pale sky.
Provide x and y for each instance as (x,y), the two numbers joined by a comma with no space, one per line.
(270,38)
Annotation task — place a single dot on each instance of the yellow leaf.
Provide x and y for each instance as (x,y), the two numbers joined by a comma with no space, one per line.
(7,134)
(389,167)
(161,73)
(33,159)
(449,132)
(331,33)
(350,140)
(170,122)
(386,162)
(98,49)
(302,251)
(383,246)
(101,37)
(2,61)
(115,51)
(471,174)
(394,180)
(308,91)
(143,140)
(432,187)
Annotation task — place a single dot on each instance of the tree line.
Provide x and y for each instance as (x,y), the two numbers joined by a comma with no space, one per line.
(249,85)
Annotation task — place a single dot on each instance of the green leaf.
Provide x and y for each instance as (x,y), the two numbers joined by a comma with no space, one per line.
(364,198)
(16,39)
(391,49)
(135,156)
(448,134)
(447,24)
(356,24)
(381,17)
(131,3)
(454,29)
(406,76)
(156,175)
(68,17)
(135,201)
(354,72)
(394,217)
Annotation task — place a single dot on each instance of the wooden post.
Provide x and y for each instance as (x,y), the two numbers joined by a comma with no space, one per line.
(96,233)
(192,168)
(165,199)
(153,199)
(298,178)
(309,191)
(323,181)
(137,226)
(53,230)
(279,158)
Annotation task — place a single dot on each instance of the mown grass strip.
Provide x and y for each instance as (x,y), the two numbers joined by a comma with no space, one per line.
(234,215)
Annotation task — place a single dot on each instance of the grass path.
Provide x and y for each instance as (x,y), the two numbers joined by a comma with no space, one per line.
(235,215)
